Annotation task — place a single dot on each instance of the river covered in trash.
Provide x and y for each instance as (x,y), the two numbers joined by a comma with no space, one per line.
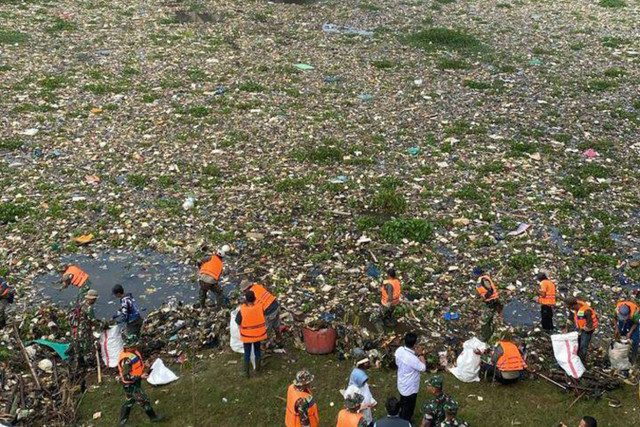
(153,278)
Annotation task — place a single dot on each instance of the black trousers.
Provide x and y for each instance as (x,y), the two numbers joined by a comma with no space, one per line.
(408,406)
(546,312)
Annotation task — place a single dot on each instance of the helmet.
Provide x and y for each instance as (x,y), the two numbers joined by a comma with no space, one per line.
(91,294)
(435,381)
(353,401)
(130,340)
(303,377)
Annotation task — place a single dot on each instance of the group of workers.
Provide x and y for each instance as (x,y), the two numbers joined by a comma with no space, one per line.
(258,322)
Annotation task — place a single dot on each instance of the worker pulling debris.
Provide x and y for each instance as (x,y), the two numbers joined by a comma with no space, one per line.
(626,325)
(209,272)
(506,364)
(253,330)
(73,275)
(585,321)
(132,371)
(489,295)
(390,297)
(128,312)
(82,321)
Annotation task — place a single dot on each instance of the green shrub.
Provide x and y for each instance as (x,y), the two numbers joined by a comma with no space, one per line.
(523,262)
(387,201)
(10,212)
(438,37)
(416,230)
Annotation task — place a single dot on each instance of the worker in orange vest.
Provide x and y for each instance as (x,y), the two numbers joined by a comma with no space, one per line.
(209,272)
(488,293)
(302,410)
(547,300)
(253,330)
(507,363)
(132,372)
(73,275)
(585,321)
(390,292)
(626,325)
(350,416)
(270,307)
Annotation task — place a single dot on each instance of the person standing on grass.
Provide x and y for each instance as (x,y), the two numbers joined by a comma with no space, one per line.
(358,383)
(393,415)
(433,411)
(547,300)
(410,366)
(270,307)
(302,410)
(350,416)
(253,330)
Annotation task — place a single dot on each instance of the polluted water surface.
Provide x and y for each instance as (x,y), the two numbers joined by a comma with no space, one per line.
(153,279)
(520,313)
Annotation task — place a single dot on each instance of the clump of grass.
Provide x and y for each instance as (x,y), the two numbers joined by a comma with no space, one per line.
(291,184)
(474,84)
(387,201)
(439,37)
(614,72)
(11,212)
(12,37)
(452,64)
(600,85)
(61,25)
(368,222)
(383,64)
(613,4)
(415,229)
(523,262)
(250,87)
(492,167)
(53,82)
(199,111)
(504,5)
(211,170)
(10,144)
(166,181)
(325,153)
(520,148)
(137,180)
(468,192)
(594,170)
(103,88)
(614,42)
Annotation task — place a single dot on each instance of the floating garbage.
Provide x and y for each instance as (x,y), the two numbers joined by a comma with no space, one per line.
(336,29)
(521,313)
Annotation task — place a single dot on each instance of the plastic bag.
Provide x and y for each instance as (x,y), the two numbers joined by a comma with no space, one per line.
(565,350)
(160,374)
(619,356)
(234,337)
(111,345)
(468,362)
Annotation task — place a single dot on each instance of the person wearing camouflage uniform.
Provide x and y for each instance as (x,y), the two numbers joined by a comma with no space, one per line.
(450,412)
(350,416)
(131,368)
(82,320)
(302,410)
(434,410)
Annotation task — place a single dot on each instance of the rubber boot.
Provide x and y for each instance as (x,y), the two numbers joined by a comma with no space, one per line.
(124,415)
(258,364)
(245,369)
(153,416)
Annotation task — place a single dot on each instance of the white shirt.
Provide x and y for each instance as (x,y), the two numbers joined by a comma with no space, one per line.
(409,368)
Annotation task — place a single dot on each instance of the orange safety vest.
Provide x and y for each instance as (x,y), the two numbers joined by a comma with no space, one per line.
(78,277)
(253,327)
(483,291)
(549,288)
(292,418)
(395,298)
(579,315)
(511,359)
(348,419)
(137,365)
(213,267)
(633,307)
(263,297)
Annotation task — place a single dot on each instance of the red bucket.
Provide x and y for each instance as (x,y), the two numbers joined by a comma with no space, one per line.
(322,341)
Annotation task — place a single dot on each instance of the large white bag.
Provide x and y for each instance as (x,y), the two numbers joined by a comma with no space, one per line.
(160,374)
(565,350)
(111,345)
(468,362)
(234,337)
(619,356)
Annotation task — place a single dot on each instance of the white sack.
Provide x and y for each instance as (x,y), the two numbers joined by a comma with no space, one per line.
(565,350)
(160,374)
(111,345)
(619,356)
(234,337)
(468,362)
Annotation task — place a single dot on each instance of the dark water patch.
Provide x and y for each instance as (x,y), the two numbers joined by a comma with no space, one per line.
(153,279)
(521,313)
(185,16)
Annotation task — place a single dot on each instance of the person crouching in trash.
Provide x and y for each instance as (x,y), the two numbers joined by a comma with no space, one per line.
(131,368)
(209,273)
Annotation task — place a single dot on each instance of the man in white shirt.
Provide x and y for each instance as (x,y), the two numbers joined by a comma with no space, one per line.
(410,365)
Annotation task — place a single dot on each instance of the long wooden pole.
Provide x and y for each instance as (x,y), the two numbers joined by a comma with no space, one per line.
(26,357)
(99,368)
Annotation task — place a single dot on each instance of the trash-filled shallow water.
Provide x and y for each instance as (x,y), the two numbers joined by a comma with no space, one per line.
(520,313)
(153,279)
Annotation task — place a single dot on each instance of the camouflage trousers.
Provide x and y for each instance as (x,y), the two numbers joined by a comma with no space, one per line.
(215,288)
(135,394)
